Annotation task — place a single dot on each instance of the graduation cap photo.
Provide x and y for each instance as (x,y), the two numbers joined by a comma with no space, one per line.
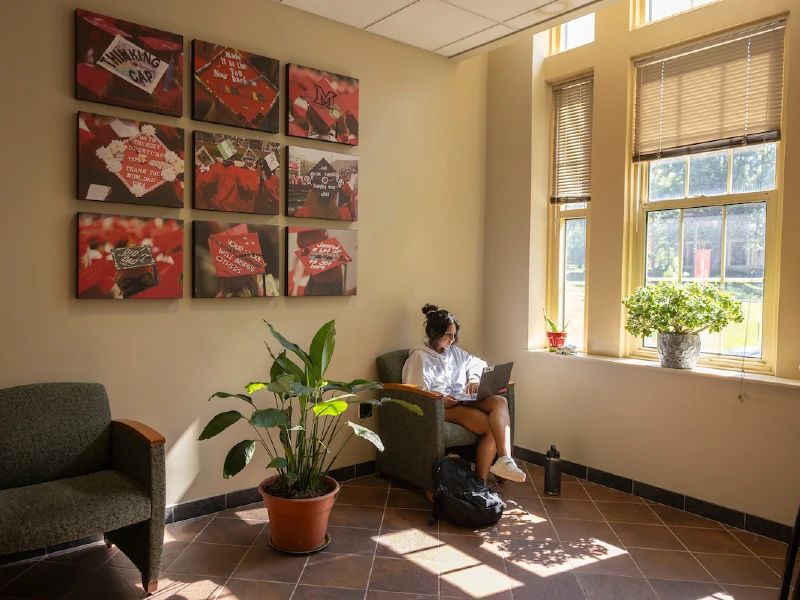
(321,262)
(321,185)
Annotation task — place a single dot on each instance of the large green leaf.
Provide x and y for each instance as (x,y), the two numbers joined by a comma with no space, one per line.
(407,405)
(277,463)
(269,417)
(367,434)
(282,365)
(322,347)
(282,385)
(331,408)
(293,347)
(238,457)
(298,389)
(220,423)
(355,386)
(247,399)
(255,386)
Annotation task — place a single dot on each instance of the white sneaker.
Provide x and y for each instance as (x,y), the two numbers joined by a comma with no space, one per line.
(506,468)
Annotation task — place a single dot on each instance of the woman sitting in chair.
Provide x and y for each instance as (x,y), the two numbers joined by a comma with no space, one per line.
(440,366)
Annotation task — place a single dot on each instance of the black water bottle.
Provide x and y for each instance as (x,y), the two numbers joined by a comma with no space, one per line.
(552,472)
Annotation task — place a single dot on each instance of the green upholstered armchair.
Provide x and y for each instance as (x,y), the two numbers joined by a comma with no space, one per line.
(67,472)
(414,443)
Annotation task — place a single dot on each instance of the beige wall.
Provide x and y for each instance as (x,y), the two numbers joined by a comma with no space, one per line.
(422,154)
(686,432)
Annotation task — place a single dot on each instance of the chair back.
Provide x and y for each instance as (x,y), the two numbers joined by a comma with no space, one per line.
(51,431)
(390,366)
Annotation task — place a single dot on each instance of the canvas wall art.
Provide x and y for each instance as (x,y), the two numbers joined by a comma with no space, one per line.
(236,174)
(235,260)
(321,262)
(129,258)
(132,162)
(321,185)
(233,87)
(321,105)
(125,64)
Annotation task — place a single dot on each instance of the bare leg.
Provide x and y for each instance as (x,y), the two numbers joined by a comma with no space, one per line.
(496,408)
(484,457)
(476,421)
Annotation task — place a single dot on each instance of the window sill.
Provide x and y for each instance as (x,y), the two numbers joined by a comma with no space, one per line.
(652,364)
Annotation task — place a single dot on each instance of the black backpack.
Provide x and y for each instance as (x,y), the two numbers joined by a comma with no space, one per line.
(460,497)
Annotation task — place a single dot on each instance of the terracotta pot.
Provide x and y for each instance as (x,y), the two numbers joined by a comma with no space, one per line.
(298,525)
(556,339)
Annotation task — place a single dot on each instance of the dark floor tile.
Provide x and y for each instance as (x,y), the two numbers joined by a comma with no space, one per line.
(352,540)
(528,585)
(447,527)
(470,550)
(199,508)
(686,590)
(400,484)
(310,592)
(211,560)
(611,587)
(243,497)
(268,564)
(369,481)
(47,581)
(374,595)
(595,558)
(172,550)
(522,525)
(657,494)
(248,512)
(517,489)
(714,541)
(397,519)
(601,493)
(474,581)
(623,512)
(410,544)
(367,517)
(738,592)
(570,530)
(242,589)
(777,566)
(654,537)
(181,586)
(393,575)
(234,532)
(337,570)
(409,499)
(14,570)
(15,557)
(569,491)
(767,528)
(679,518)
(536,477)
(666,564)
(572,509)
(761,546)
(186,531)
(89,556)
(739,570)
(362,496)
(610,480)
(715,512)
(110,583)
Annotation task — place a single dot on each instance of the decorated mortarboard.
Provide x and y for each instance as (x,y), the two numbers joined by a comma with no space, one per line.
(236,255)
(322,256)
(133,261)
(203,158)
(324,180)
(272,161)
(133,64)
(322,99)
(250,158)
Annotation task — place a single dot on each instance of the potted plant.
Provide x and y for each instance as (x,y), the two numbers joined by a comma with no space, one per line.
(298,435)
(556,336)
(679,313)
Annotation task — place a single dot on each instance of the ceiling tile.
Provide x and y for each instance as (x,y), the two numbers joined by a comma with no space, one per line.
(473,41)
(430,24)
(546,12)
(358,13)
(499,11)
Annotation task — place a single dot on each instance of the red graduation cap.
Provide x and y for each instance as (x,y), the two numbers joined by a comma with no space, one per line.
(162,45)
(237,255)
(104,23)
(323,100)
(322,256)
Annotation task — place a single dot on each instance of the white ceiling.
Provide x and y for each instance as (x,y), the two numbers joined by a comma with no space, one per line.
(447,27)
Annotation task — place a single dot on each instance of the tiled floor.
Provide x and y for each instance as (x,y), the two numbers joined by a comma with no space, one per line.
(591,544)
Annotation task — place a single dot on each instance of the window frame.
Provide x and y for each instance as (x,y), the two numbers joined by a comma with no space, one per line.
(641,11)
(773,198)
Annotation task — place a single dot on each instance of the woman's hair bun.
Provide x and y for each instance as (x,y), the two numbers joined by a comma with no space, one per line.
(429,308)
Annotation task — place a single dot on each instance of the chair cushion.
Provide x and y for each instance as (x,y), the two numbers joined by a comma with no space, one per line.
(54,512)
(458,435)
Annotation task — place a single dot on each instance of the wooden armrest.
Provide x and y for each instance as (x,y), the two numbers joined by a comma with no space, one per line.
(414,389)
(148,433)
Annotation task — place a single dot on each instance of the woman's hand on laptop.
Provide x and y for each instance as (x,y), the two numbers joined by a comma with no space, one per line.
(472,387)
(449,401)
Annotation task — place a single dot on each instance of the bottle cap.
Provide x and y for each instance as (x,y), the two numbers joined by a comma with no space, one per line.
(553,453)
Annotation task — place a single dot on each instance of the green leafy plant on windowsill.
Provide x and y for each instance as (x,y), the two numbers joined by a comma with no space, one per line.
(306,418)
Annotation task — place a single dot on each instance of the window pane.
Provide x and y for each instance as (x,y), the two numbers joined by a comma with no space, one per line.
(663,239)
(577,32)
(574,291)
(660,9)
(754,168)
(702,244)
(667,179)
(708,174)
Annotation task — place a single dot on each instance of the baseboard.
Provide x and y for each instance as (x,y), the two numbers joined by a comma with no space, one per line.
(728,516)
(194,508)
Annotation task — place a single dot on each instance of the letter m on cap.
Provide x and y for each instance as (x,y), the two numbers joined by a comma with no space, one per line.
(323,97)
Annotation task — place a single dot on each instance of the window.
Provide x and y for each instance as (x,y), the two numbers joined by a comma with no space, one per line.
(706,147)
(575,33)
(661,9)
(570,198)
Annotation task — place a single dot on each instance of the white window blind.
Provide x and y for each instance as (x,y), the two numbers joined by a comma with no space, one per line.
(724,93)
(572,141)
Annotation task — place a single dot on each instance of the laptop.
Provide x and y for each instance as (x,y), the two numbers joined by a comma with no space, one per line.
(493,380)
